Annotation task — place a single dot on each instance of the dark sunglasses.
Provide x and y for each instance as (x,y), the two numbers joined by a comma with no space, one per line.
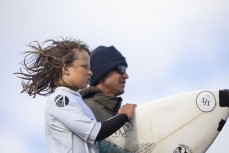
(121,69)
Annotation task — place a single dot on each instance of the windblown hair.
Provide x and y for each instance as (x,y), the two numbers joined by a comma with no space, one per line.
(44,62)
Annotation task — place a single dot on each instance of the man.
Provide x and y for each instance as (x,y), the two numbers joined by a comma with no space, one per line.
(107,83)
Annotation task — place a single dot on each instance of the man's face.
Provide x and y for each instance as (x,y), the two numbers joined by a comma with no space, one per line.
(114,82)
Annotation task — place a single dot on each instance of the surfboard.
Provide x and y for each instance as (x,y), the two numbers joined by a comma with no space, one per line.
(183,123)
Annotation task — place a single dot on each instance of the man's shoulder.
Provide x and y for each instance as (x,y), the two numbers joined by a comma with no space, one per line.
(90,92)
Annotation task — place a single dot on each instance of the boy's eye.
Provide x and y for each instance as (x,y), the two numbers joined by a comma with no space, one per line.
(85,66)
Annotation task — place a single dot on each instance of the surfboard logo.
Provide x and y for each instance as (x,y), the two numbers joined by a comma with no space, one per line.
(206,101)
(143,148)
(182,149)
(124,130)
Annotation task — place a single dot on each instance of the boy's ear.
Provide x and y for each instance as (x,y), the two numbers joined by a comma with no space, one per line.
(65,70)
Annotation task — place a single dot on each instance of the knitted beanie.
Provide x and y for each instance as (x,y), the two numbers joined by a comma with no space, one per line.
(102,60)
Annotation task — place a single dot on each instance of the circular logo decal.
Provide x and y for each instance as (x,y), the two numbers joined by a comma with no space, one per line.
(182,149)
(205,101)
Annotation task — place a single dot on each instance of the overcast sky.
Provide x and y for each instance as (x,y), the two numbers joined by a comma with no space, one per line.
(171,46)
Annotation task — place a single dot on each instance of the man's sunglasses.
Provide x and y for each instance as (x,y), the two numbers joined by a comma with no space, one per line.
(121,69)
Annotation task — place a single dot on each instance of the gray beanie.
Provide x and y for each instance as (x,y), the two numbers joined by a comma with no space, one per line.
(102,60)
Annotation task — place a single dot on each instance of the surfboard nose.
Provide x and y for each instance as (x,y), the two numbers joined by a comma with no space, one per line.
(224,98)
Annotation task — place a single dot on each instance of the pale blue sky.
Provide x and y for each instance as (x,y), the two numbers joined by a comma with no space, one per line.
(171,47)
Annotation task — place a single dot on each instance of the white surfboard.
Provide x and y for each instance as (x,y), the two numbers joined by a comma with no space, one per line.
(183,123)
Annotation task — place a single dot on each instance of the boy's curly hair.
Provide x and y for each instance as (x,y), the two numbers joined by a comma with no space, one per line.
(43,64)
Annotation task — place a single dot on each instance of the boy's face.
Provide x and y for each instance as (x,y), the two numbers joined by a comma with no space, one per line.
(78,74)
